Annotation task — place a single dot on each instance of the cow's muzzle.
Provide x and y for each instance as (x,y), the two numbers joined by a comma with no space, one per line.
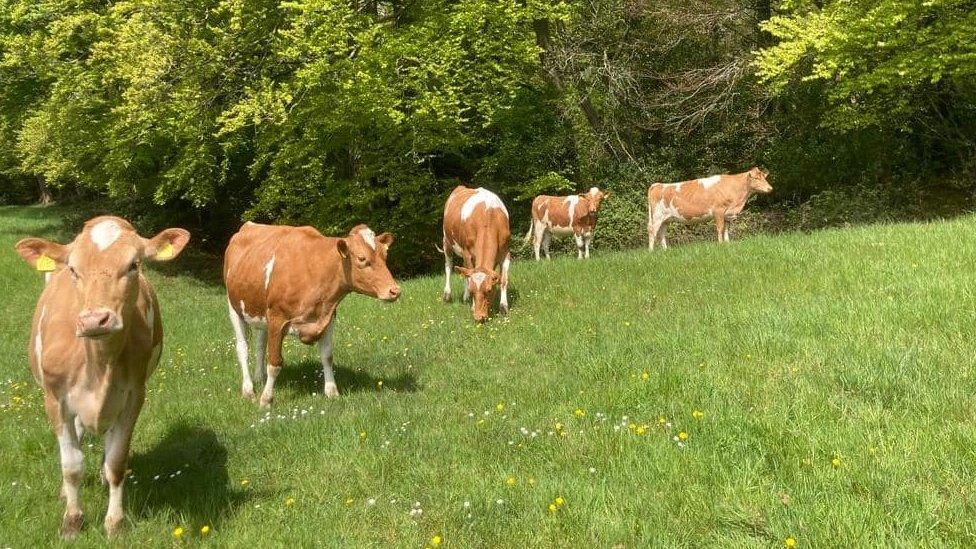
(392,294)
(97,323)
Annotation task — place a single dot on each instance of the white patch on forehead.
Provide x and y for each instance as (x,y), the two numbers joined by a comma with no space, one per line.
(105,234)
(479,278)
(268,268)
(571,202)
(482,196)
(707,182)
(594,190)
(369,236)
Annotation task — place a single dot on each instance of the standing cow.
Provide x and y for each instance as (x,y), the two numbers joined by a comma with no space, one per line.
(565,215)
(283,279)
(721,197)
(476,228)
(95,339)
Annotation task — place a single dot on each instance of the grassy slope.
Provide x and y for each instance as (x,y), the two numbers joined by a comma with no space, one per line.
(853,344)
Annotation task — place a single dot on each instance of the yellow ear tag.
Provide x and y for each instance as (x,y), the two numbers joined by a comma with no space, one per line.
(44,264)
(166,251)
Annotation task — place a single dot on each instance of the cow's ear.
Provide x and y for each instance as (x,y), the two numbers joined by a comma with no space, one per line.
(463,271)
(606,195)
(166,245)
(342,247)
(43,255)
(386,239)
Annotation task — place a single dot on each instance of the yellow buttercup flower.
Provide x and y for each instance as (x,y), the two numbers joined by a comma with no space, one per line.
(645,376)
(510,481)
(362,435)
(698,414)
(552,507)
(559,426)
(683,436)
(560,501)
(178,532)
(289,502)
(435,541)
(789,542)
(349,502)
(245,482)
(579,413)
(835,462)
(500,406)
(531,481)
(205,530)
(640,430)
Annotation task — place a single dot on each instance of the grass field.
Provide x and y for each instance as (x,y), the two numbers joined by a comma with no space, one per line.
(833,373)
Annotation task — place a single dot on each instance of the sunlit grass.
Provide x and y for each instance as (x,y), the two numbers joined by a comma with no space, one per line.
(809,387)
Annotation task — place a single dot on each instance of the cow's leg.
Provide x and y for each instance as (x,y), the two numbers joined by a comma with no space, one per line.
(546,240)
(72,465)
(720,226)
(240,335)
(727,239)
(468,263)
(448,267)
(276,335)
(663,235)
(579,245)
(503,303)
(586,245)
(260,345)
(325,355)
(117,441)
(538,232)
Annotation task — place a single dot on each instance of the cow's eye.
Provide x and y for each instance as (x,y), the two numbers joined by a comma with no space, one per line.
(74,273)
(133,268)
(362,259)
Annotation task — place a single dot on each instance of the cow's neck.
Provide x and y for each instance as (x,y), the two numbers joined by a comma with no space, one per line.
(103,358)
(486,250)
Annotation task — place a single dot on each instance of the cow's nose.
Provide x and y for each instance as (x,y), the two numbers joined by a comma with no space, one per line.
(97,322)
(393,293)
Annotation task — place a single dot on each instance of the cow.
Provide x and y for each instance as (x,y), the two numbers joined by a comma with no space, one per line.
(290,280)
(96,337)
(476,229)
(721,197)
(565,215)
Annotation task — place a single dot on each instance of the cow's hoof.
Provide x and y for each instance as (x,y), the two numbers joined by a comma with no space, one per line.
(265,402)
(331,390)
(503,309)
(447,297)
(113,525)
(249,395)
(71,525)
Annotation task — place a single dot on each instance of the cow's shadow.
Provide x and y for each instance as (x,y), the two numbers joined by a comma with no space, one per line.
(184,474)
(305,376)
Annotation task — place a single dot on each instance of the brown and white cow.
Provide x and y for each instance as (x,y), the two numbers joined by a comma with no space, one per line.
(283,279)
(476,228)
(565,215)
(95,339)
(721,197)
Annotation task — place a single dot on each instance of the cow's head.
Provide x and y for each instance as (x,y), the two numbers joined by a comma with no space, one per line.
(481,285)
(594,197)
(364,254)
(104,263)
(757,181)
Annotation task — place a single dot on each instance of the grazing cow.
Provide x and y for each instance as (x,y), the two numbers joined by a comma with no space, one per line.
(721,197)
(95,339)
(283,279)
(564,215)
(476,228)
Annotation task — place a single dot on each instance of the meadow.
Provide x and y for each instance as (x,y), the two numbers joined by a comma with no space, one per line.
(814,387)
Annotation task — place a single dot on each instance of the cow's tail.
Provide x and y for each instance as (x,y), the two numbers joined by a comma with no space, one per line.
(528,235)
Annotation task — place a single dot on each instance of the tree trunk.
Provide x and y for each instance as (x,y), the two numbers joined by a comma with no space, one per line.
(43,191)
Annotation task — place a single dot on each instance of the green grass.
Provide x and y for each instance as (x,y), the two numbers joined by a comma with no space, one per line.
(855,344)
